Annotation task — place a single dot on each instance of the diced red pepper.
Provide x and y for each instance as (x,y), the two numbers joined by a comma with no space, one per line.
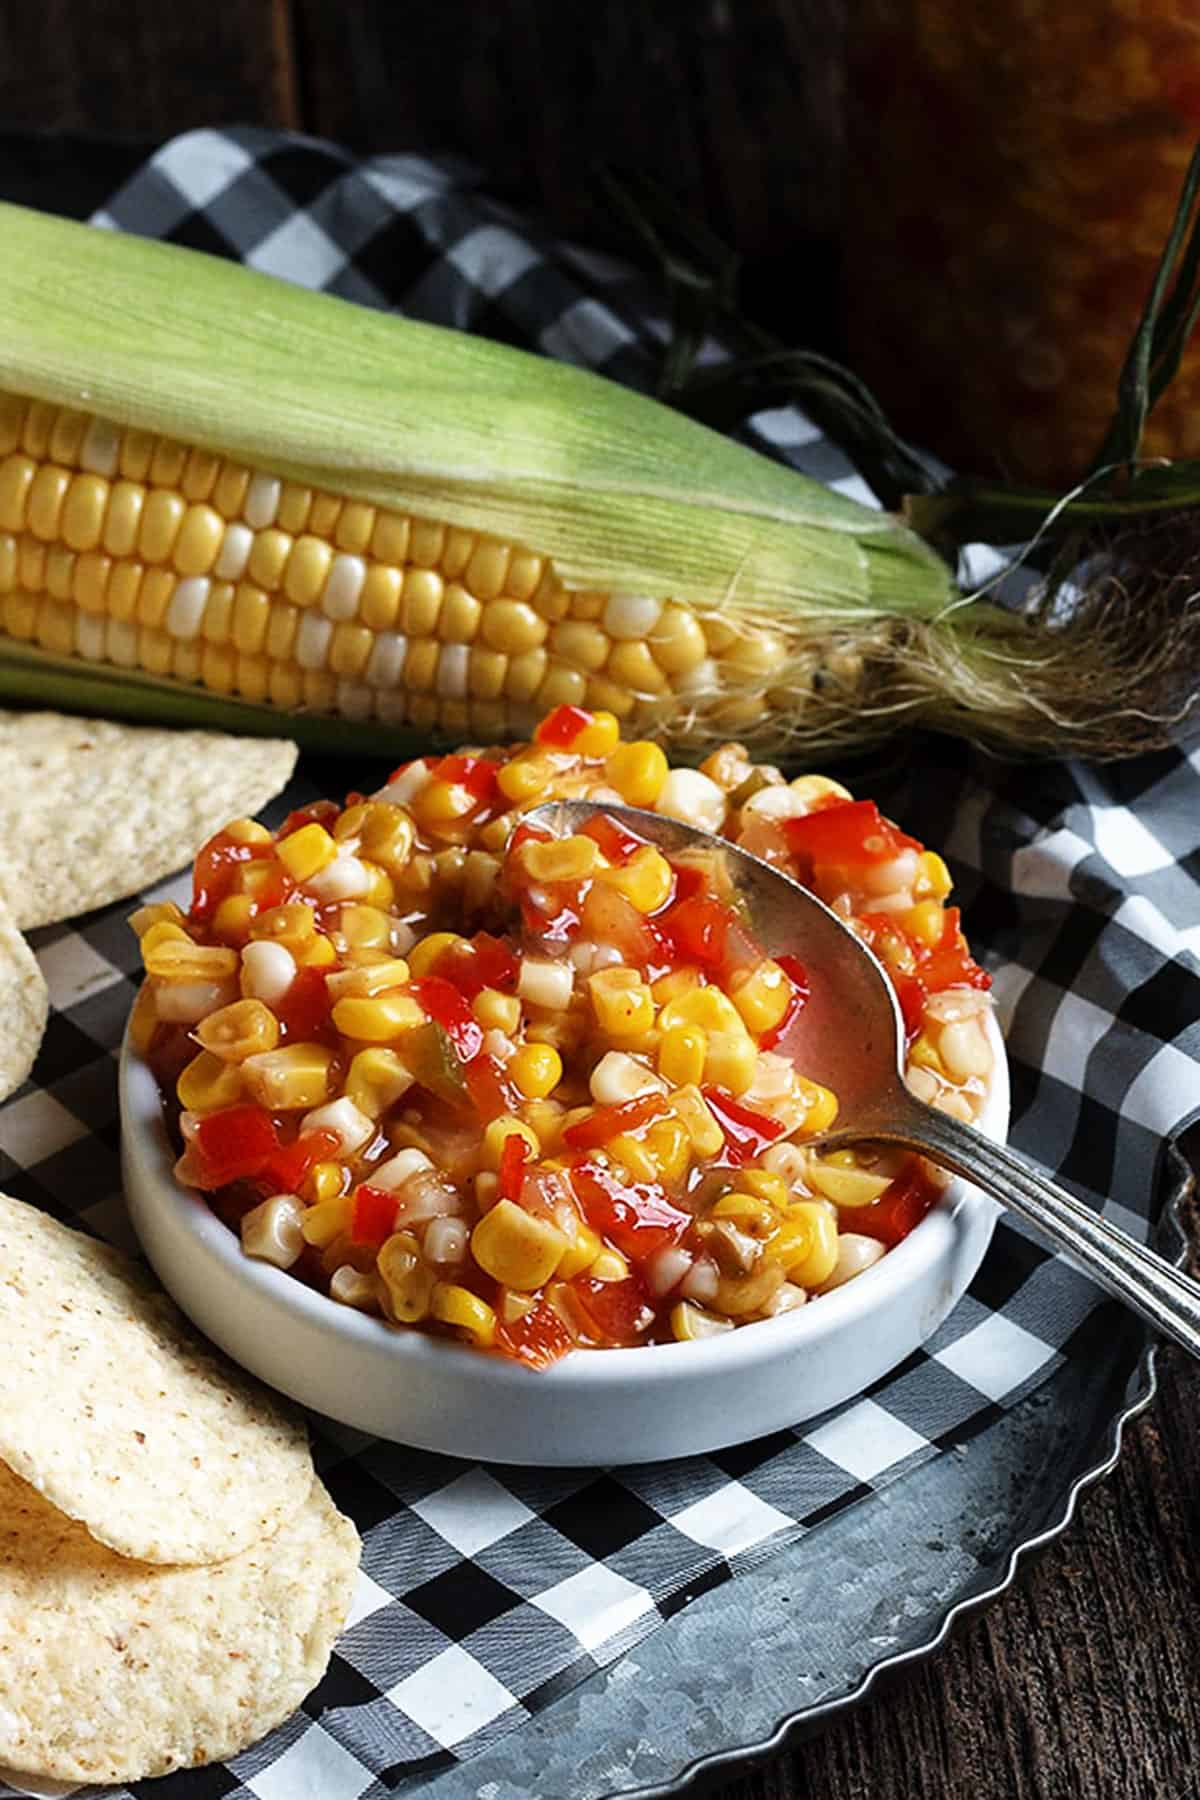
(484,961)
(528,834)
(449,1009)
(538,1339)
(491,1095)
(636,1216)
(305,1008)
(797,974)
(898,1209)
(950,963)
(320,812)
(288,1167)
(236,1142)
(747,1133)
(559,729)
(478,774)
(946,964)
(689,881)
(372,1215)
(514,1155)
(852,835)
(616,841)
(610,1121)
(616,1312)
(698,929)
(558,927)
(216,867)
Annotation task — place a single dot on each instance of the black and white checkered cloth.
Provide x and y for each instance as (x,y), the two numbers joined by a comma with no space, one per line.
(485,1592)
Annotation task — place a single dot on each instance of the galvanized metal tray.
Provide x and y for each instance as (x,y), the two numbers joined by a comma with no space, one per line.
(770,1656)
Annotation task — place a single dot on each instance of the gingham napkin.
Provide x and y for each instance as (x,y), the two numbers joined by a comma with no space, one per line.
(485,1592)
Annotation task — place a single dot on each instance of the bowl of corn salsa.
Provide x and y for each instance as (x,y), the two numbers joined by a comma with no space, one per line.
(460,1131)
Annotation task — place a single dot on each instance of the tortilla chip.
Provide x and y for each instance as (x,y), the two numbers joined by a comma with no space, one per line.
(122,1416)
(24,1004)
(112,1670)
(91,812)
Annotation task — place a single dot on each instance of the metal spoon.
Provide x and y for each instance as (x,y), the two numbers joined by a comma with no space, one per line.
(853,1042)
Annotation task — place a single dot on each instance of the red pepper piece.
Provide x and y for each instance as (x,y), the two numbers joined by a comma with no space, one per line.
(448,1008)
(797,974)
(319,812)
(372,1215)
(528,834)
(236,1142)
(478,774)
(698,928)
(635,1216)
(611,1121)
(288,1167)
(898,1209)
(215,868)
(538,1339)
(854,834)
(304,1010)
(491,1095)
(616,841)
(513,1156)
(950,963)
(689,881)
(485,961)
(559,729)
(616,1312)
(747,1133)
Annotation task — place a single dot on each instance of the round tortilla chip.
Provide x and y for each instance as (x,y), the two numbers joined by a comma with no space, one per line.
(112,1670)
(24,1004)
(91,811)
(122,1416)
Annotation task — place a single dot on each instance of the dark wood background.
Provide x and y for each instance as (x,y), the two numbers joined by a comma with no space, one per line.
(1084,1682)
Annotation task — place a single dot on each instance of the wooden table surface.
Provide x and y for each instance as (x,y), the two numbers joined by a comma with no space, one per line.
(1083,1683)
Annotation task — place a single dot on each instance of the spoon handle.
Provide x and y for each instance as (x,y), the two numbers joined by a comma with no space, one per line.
(1163,1295)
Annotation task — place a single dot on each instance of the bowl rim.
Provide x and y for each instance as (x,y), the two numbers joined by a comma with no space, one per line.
(845,1307)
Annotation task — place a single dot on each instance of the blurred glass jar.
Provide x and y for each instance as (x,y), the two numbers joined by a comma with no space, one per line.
(1013,170)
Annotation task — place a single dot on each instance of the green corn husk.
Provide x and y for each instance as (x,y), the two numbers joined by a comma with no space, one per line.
(623,493)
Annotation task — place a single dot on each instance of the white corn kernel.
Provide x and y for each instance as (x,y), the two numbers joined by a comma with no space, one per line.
(100,452)
(446,1240)
(187,1002)
(343,587)
(345,878)
(688,795)
(350,1287)
(452,671)
(89,637)
(350,1125)
(312,641)
(121,643)
(271,1232)
(546,984)
(855,1253)
(385,665)
(185,614)
(268,971)
(630,615)
(403,789)
(261,505)
(355,700)
(618,1077)
(235,552)
(396,1170)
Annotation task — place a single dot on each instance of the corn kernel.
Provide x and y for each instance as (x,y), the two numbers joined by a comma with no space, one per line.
(380,891)
(622,1003)
(465,1311)
(807,1243)
(638,772)
(498,1130)
(163,931)
(208,1084)
(730,1061)
(178,959)
(516,1248)
(362,927)
(690,1323)
(326,1181)
(762,996)
(671,1146)
(326,1220)
(424,954)
(165,912)
(536,1070)
(317,953)
(496,1011)
(933,877)
(305,852)
(525,776)
(645,880)
(847,1186)
(673,984)
(600,737)
(637,1159)
(926,921)
(233,918)
(822,1107)
(610,1265)
(377,1020)
(681,1055)
(239,1030)
(561,859)
(689,1104)
(375,1080)
(369,979)
(292,925)
(581,1253)
(408,1280)
(747,1211)
(706,1007)
(295,1076)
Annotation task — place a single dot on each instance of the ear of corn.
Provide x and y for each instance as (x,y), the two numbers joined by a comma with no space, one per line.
(248,498)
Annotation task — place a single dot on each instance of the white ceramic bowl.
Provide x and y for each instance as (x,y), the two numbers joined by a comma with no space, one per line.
(593,1407)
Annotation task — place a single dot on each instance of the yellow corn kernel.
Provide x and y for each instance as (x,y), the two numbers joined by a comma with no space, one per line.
(233,918)
(377,1020)
(425,953)
(305,852)
(326,1181)
(560,859)
(747,1211)
(926,921)
(387,836)
(247,831)
(672,985)
(610,1265)
(689,1104)
(369,979)
(807,1243)
(622,1003)
(408,1280)
(496,1011)
(254,878)
(178,959)
(762,995)
(375,1080)
(766,1185)
(730,1061)
(294,1076)
(536,1070)
(923,1054)
(681,1055)
(162,912)
(379,602)
(515,1248)
(677,642)
(162,931)
(381,891)
(326,1220)
(600,737)
(459,1307)
(239,1030)
(143,1019)
(208,1084)
(645,880)
(706,1007)
(637,771)
(822,1107)
(291,925)
(847,1186)
(671,1146)
(933,877)
(498,1130)
(47,498)
(581,1253)
(524,776)
(637,1159)
(363,927)
(690,1323)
